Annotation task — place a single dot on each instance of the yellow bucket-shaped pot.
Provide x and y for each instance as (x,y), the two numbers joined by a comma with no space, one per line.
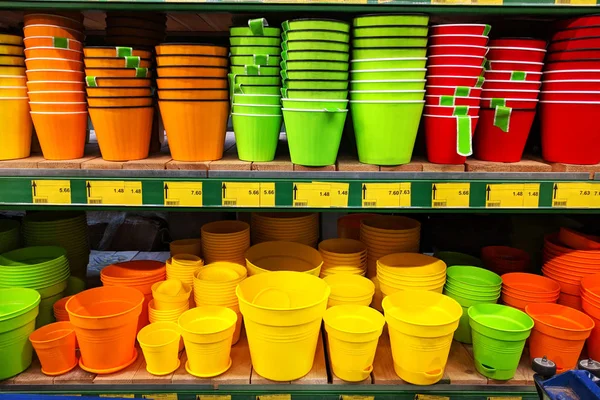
(282,315)
(171,294)
(208,333)
(186,246)
(16,128)
(283,256)
(421,325)
(160,343)
(352,334)
(349,289)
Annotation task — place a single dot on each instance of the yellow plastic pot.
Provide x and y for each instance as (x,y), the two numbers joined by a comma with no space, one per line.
(279,255)
(171,294)
(349,289)
(16,128)
(186,246)
(160,343)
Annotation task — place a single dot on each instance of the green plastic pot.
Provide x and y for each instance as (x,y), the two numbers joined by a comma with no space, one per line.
(256,136)
(251,50)
(256,109)
(462,334)
(470,298)
(317,35)
(391,20)
(379,42)
(499,334)
(255,70)
(385,131)
(293,55)
(315,24)
(455,258)
(399,63)
(410,84)
(387,95)
(314,136)
(316,84)
(314,65)
(254,41)
(315,75)
(15,302)
(389,74)
(320,45)
(315,104)
(389,52)
(254,80)
(472,278)
(264,99)
(256,59)
(256,89)
(46,313)
(399,31)
(255,28)
(314,94)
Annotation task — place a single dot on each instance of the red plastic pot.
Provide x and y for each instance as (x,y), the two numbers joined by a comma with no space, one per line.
(572,44)
(570,96)
(511,65)
(513,75)
(530,43)
(441,138)
(493,144)
(572,65)
(455,70)
(579,22)
(516,54)
(451,91)
(431,100)
(573,55)
(460,29)
(570,132)
(574,33)
(448,111)
(461,40)
(578,74)
(455,60)
(511,85)
(509,94)
(440,50)
(512,103)
(572,85)
(452,80)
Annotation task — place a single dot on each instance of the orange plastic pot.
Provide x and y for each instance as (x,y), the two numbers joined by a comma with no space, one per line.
(570,300)
(109,52)
(119,91)
(51,41)
(50,75)
(62,135)
(196,128)
(11,39)
(559,333)
(13,81)
(53,52)
(533,297)
(191,72)
(591,284)
(53,30)
(59,309)
(54,63)
(54,345)
(193,94)
(123,132)
(191,83)
(120,102)
(12,60)
(57,96)
(11,70)
(51,19)
(55,107)
(114,63)
(191,49)
(60,86)
(577,240)
(16,127)
(551,242)
(118,72)
(529,283)
(8,92)
(566,286)
(121,82)
(192,61)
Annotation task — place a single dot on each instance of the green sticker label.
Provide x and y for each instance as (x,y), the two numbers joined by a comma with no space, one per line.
(502,117)
(446,100)
(141,72)
(487,65)
(464,145)
(486,30)
(462,91)
(132,62)
(60,42)
(283,74)
(91,81)
(237,88)
(261,59)
(284,46)
(480,81)
(257,26)
(518,76)
(286,26)
(284,92)
(497,103)
(252,69)
(124,51)
(460,110)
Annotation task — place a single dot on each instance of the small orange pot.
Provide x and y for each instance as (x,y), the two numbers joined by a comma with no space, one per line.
(62,135)
(196,128)
(54,345)
(192,61)
(136,32)
(53,52)
(193,94)
(18,91)
(181,49)
(123,133)
(119,91)
(117,62)
(11,70)
(16,127)
(11,39)
(121,82)
(51,19)
(54,107)
(191,72)
(53,30)
(13,81)
(111,52)
(192,83)
(120,101)
(119,72)
(12,60)
(62,64)
(51,41)
(62,76)
(50,86)
(57,97)
(11,49)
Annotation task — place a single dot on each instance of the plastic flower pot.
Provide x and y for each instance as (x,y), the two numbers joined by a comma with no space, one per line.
(9,49)
(378,137)
(113,92)
(315,75)
(455,60)
(509,94)
(583,32)
(70,126)
(511,85)
(449,80)
(52,52)
(256,27)
(256,80)
(54,345)
(193,94)
(389,31)
(575,43)
(314,104)
(314,94)
(452,101)
(571,85)
(126,62)
(332,36)
(189,72)
(576,74)
(502,140)
(578,146)
(263,99)
(387,95)
(448,138)
(16,40)
(11,70)
(117,82)
(455,70)
(118,73)
(573,55)
(254,41)
(198,61)
(160,344)
(584,96)
(398,63)
(257,109)
(314,135)
(120,101)
(192,49)
(510,65)
(256,136)
(314,45)
(391,74)
(408,84)
(49,86)
(388,52)
(17,128)
(454,91)
(451,111)
(108,52)
(256,59)
(53,107)
(250,70)
(342,56)
(391,20)
(315,24)
(450,49)
(12,60)
(54,63)
(461,29)
(530,43)
(458,40)
(313,65)
(251,50)
(516,54)
(512,103)
(257,89)
(54,31)
(13,81)
(319,84)
(386,42)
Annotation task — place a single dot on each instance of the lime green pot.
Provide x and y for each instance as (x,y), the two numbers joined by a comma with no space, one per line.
(256,89)
(269,31)
(252,50)
(256,136)
(314,104)
(254,80)
(379,42)
(314,94)
(294,55)
(389,52)
(390,31)
(474,278)
(314,136)
(331,36)
(381,139)
(255,70)
(312,65)
(409,84)
(399,63)
(254,41)
(256,109)
(387,95)
(318,45)
(391,20)
(315,75)
(316,84)
(256,59)
(264,99)
(391,74)
(315,24)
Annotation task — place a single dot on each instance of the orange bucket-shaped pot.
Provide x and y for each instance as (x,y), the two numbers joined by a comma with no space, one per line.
(16,128)
(193,60)
(57,96)
(54,75)
(109,52)
(593,342)
(196,128)
(55,107)
(51,41)
(191,72)
(54,31)
(121,82)
(559,333)
(119,91)
(55,86)
(62,64)
(51,19)
(118,72)
(191,83)
(55,347)
(570,300)
(181,49)
(119,102)
(193,94)
(106,321)
(53,52)
(123,133)
(62,135)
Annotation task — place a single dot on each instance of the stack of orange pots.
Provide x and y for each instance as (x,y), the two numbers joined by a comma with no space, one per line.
(53,57)
(590,303)
(140,275)
(60,312)
(567,267)
(503,259)
(14,103)
(520,289)
(193,99)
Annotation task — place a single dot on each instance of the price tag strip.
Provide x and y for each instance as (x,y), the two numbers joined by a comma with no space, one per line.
(450,195)
(473,2)
(576,195)
(120,193)
(512,195)
(320,194)
(182,194)
(160,396)
(575,2)
(51,191)
(213,397)
(248,194)
(382,195)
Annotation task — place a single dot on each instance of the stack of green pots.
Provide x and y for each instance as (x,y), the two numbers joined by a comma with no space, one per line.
(315,88)
(387,85)
(470,286)
(255,85)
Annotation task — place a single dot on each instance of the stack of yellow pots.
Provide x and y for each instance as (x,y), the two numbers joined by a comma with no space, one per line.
(410,271)
(387,235)
(214,285)
(225,241)
(343,256)
(186,246)
(183,267)
(14,103)
(283,256)
(290,227)
(171,298)
(349,289)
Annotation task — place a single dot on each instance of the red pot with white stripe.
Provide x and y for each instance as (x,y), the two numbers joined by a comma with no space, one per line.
(449,138)
(572,95)
(451,101)
(449,49)
(476,61)
(460,40)
(511,85)
(514,65)
(453,91)
(567,85)
(516,53)
(530,43)
(460,29)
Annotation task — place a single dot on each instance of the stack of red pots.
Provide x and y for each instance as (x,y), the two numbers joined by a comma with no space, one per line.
(509,98)
(503,259)
(454,78)
(570,99)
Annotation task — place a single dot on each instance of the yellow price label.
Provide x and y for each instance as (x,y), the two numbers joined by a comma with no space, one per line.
(213,397)
(274,397)
(504,398)
(51,191)
(454,195)
(430,397)
(575,2)
(356,397)
(382,195)
(576,195)
(160,396)
(122,396)
(320,194)
(248,194)
(122,193)
(182,194)
(512,195)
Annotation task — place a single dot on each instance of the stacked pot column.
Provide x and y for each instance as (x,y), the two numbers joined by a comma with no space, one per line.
(255,81)
(510,96)
(570,95)
(53,56)
(314,98)
(454,78)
